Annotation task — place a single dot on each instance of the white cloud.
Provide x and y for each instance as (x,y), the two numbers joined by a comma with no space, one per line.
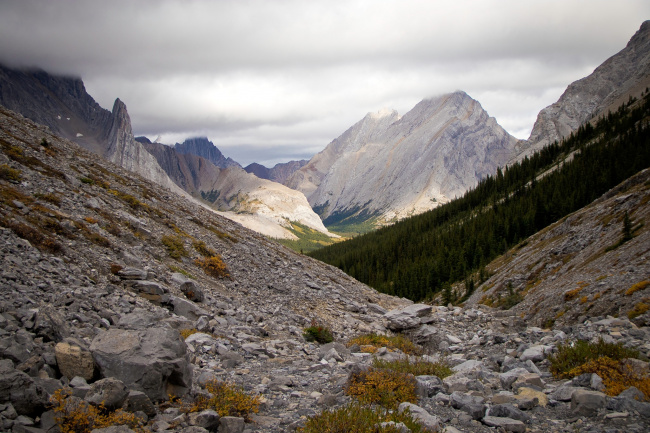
(262,79)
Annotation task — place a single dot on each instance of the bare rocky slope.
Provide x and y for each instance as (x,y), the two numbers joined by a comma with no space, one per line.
(624,75)
(390,167)
(278,173)
(100,272)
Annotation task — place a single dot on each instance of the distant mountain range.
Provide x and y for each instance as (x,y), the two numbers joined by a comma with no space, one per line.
(62,104)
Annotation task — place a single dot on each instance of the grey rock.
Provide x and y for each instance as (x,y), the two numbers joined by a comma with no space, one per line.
(406,318)
(153,360)
(231,424)
(587,402)
(113,429)
(208,419)
(17,388)
(74,360)
(423,417)
(110,392)
(508,424)
(138,401)
(508,411)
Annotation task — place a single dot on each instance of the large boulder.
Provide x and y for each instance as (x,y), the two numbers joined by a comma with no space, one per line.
(20,390)
(154,360)
(406,318)
(74,360)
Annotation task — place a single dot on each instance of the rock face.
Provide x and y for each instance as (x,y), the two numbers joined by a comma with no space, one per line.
(201,146)
(389,167)
(624,75)
(279,173)
(261,205)
(62,104)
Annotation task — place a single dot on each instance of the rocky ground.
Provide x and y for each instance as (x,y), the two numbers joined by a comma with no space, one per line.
(99,276)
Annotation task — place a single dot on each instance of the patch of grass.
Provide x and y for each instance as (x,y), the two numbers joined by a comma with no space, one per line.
(73,415)
(572,355)
(308,238)
(213,266)
(182,271)
(639,309)
(572,294)
(375,341)
(50,198)
(638,286)
(187,332)
(175,247)
(227,400)
(387,388)
(33,235)
(203,249)
(10,174)
(358,418)
(419,367)
(93,237)
(318,333)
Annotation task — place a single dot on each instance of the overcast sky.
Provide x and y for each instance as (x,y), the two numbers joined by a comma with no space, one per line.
(270,81)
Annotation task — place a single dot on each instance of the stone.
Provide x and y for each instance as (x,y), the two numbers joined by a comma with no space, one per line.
(208,419)
(428,386)
(564,392)
(527,379)
(110,392)
(192,291)
(74,360)
(153,360)
(51,324)
(428,421)
(406,318)
(472,405)
(137,401)
(113,429)
(469,365)
(508,411)
(508,424)
(529,393)
(399,427)
(186,308)
(231,424)
(585,402)
(20,390)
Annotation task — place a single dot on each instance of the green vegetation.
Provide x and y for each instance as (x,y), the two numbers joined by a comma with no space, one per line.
(417,257)
(227,400)
(10,174)
(417,367)
(627,233)
(308,238)
(358,418)
(607,360)
(369,343)
(213,266)
(574,354)
(318,333)
(385,387)
(175,247)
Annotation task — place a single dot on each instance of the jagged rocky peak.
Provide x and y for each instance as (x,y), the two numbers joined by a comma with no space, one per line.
(389,167)
(280,172)
(201,146)
(624,75)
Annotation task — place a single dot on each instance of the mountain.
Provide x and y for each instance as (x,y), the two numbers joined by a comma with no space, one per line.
(387,167)
(262,205)
(116,293)
(62,104)
(201,146)
(423,256)
(622,76)
(279,173)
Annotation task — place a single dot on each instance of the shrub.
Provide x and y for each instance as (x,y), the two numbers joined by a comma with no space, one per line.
(638,286)
(10,174)
(74,415)
(617,375)
(387,388)
(213,266)
(175,247)
(115,268)
(572,294)
(318,333)
(93,237)
(203,249)
(639,309)
(187,332)
(227,400)
(375,341)
(49,197)
(34,236)
(419,367)
(572,355)
(357,418)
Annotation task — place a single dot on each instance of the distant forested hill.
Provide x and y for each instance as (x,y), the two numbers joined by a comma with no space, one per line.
(421,256)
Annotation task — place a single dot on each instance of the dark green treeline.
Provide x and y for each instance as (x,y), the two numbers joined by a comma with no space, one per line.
(423,255)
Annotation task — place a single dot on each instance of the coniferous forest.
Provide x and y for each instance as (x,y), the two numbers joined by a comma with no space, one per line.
(423,255)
